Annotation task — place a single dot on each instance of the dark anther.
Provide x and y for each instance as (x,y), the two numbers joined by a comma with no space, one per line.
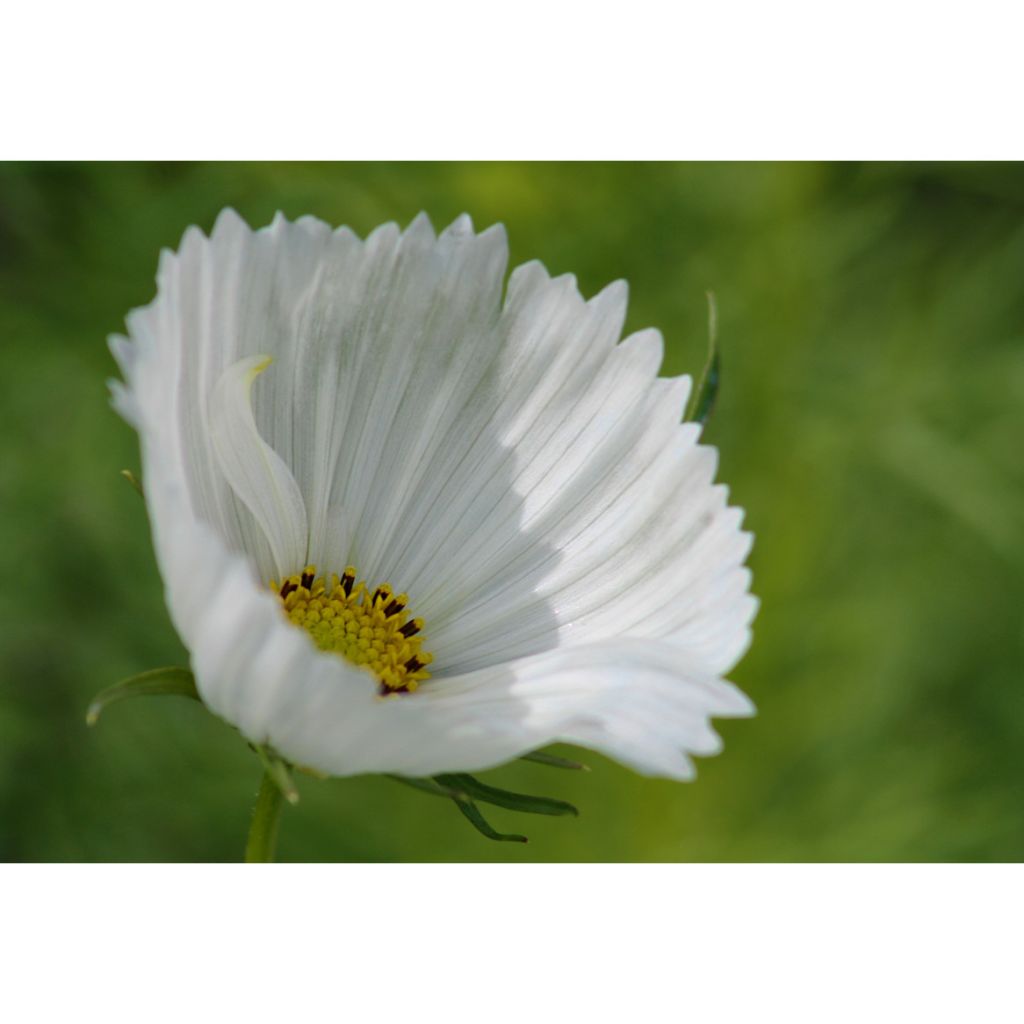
(387,690)
(409,629)
(346,583)
(307,580)
(288,588)
(380,592)
(394,608)
(413,664)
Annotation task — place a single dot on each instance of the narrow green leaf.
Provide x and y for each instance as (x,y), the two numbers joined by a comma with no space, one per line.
(703,402)
(134,481)
(156,683)
(503,798)
(479,822)
(279,772)
(554,762)
(431,787)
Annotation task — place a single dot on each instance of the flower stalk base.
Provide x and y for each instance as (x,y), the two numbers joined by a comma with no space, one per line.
(266,821)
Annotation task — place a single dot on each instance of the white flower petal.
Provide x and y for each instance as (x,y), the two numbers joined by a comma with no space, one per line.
(521,475)
(557,353)
(255,471)
(636,701)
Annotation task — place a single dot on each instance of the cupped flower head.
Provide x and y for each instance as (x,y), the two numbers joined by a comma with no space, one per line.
(408,523)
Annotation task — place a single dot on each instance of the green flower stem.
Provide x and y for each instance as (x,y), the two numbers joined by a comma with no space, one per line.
(266,818)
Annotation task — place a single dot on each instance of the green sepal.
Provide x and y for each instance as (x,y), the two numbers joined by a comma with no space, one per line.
(539,757)
(442,786)
(503,798)
(158,682)
(279,772)
(480,823)
(433,788)
(703,401)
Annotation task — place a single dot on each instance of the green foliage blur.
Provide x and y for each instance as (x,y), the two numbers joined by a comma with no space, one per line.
(870,421)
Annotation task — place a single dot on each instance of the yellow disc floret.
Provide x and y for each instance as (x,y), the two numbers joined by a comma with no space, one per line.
(370,628)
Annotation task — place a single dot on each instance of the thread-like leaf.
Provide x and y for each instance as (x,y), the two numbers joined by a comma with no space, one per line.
(134,481)
(158,682)
(503,798)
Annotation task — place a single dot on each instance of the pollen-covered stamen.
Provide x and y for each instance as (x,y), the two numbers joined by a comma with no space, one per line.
(369,628)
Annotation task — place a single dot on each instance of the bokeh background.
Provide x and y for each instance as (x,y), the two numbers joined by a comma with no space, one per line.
(870,420)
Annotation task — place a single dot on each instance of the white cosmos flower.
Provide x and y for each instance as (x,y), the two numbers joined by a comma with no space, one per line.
(508,465)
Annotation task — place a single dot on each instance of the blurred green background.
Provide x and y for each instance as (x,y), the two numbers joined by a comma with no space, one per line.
(871,420)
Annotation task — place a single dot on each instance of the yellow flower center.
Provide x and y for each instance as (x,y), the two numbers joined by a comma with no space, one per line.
(370,628)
